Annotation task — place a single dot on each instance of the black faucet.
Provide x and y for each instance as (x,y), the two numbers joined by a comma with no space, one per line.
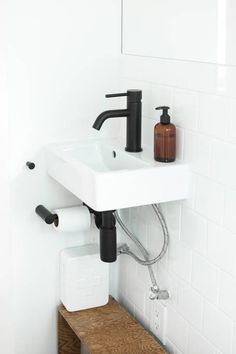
(134,118)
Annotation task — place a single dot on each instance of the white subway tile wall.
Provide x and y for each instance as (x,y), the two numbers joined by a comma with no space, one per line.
(199,269)
(198,344)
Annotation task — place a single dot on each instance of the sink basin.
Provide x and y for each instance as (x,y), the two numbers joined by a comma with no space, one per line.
(105,177)
(104,158)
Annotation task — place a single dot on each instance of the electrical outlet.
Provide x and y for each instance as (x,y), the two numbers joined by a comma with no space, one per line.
(158,321)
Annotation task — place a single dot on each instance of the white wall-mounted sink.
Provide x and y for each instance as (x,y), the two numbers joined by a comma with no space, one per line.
(105,177)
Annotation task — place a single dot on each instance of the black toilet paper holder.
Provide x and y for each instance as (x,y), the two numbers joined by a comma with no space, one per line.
(105,222)
(46,215)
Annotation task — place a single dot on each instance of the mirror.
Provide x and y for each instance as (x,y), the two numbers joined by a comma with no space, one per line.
(195,30)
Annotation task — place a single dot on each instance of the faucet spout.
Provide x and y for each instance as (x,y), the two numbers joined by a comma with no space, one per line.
(133,112)
(116,113)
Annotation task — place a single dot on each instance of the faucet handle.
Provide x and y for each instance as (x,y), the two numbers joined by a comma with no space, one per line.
(116,95)
(133,95)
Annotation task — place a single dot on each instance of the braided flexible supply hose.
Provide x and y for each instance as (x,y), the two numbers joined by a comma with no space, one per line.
(155,292)
(139,244)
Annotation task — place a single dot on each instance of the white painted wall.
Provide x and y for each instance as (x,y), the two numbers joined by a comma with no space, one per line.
(6,320)
(63,58)
(200,267)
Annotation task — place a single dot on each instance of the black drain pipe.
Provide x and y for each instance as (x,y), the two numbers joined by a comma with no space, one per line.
(106,223)
(108,243)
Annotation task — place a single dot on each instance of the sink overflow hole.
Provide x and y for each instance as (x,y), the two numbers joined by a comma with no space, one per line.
(114,154)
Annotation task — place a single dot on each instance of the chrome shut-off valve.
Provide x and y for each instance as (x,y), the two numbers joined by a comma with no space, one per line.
(156,294)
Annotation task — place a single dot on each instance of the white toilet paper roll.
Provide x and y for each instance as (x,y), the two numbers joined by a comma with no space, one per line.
(73,219)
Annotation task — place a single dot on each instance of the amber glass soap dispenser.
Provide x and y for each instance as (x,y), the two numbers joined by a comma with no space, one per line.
(164,138)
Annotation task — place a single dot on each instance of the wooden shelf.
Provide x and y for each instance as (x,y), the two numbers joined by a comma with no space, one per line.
(109,329)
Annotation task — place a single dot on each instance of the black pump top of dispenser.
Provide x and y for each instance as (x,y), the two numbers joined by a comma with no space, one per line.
(165,118)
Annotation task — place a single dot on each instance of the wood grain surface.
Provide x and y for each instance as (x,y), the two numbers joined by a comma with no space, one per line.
(68,342)
(109,329)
